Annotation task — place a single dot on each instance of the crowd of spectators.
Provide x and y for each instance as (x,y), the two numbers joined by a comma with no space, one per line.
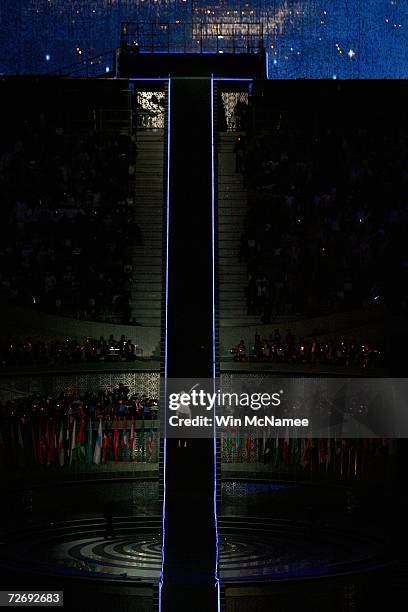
(68,350)
(327,350)
(327,217)
(105,404)
(66,220)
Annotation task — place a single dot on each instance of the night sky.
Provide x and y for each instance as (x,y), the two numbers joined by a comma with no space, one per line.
(305,38)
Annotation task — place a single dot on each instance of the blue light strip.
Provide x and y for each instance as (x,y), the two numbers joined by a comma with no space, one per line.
(147,79)
(216,576)
(164,433)
(238,79)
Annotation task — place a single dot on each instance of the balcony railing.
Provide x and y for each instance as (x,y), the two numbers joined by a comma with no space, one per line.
(191,37)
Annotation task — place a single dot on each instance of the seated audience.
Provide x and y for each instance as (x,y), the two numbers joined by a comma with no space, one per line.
(326,350)
(67,225)
(68,350)
(327,218)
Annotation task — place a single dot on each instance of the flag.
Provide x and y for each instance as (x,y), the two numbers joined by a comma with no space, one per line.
(42,444)
(105,447)
(80,443)
(268,448)
(67,439)
(229,445)
(132,439)
(20,448)
(124,441)
(329,453)
(150,443)
(238,446)
(89,443)
(248,444)
(51,446)
(142,438)
(285,449)
(294,451)
(305,456)
(276,455)
(115,440)
(322,451)
(98,445)
(61,447)
(73,441)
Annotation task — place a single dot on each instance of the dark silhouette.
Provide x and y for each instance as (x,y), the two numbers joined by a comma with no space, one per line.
(109,520)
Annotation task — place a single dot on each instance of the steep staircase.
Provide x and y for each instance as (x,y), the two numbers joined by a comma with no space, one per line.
(147,259)
(232,205)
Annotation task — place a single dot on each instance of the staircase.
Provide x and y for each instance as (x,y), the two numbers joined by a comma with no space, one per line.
(147,259)
(232,205)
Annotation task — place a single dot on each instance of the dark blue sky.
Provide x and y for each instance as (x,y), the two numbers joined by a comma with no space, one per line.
(306,38)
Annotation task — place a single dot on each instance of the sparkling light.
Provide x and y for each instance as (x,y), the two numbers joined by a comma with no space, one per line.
(375,32)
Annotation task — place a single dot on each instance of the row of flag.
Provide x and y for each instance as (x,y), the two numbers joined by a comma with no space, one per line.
(307,453)
(72,440)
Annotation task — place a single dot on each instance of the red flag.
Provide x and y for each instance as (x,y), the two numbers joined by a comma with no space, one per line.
(61,448)
(115,440)
(51,446)
(105,445)
(285,450)
(248,445)
(42,444)
(132,438)
(322,451)
(150,443)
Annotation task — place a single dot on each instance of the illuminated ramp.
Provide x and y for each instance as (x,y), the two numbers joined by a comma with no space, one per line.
(190,541)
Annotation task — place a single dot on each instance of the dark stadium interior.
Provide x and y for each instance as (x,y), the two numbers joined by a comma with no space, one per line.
(188,578)
(108,238)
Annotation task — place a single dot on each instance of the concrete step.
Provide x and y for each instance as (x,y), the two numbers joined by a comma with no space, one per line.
(142,286)
(146,300)
(227,252)
(149,321)
(147,260)
(231,188)
(141,270)
(231,311)
(148,174)
(146,310)
(154,232)
(148,257)
(149,218)
(149,194)
(232,199)
(153,242)
(239,321)
(143,135)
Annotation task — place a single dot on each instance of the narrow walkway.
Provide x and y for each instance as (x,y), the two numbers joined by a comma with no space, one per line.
(232,208)
(146,283)
(190,541)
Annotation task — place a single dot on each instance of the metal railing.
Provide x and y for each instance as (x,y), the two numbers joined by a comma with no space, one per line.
(191,37)
(92,67)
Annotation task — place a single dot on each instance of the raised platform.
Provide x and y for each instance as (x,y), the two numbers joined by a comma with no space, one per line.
(163,65)
(255,549)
